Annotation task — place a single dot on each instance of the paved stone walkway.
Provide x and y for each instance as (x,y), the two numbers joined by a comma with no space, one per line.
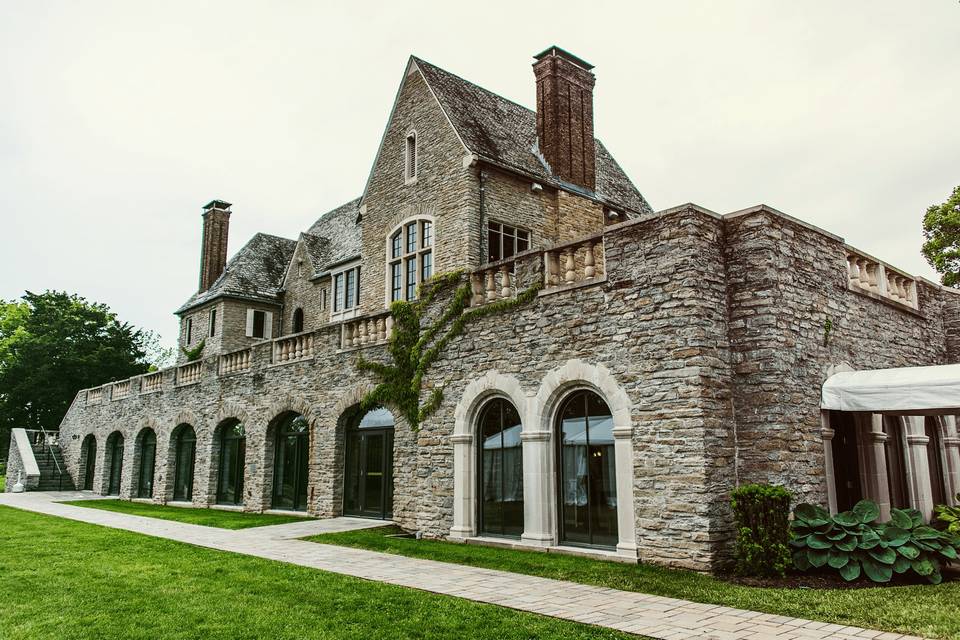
(653,616)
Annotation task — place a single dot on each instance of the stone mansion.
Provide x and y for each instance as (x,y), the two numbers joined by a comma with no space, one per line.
(666,357)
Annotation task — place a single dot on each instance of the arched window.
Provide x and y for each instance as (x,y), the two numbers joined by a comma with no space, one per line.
(148,457)
(368,466)
(588,477)
(410,258)
(89,451)
(233,450)
(291,458)
(115,458)
(501,470)
(298,321)
(185,456)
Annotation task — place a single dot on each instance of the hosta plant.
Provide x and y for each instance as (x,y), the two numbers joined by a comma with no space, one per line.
(854,543)
(949,517)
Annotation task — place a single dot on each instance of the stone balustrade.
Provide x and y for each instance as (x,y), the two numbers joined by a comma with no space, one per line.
(369,330)
(573,263)
(235,361)
(94,395)
(189,373)
(492,283)
(872,276)
(120,390)
(293,348)
(151,382)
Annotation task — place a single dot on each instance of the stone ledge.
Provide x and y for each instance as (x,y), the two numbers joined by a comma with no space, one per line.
(570,287)
(886,301)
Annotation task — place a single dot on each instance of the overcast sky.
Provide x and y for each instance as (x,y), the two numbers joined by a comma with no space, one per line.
(119,120)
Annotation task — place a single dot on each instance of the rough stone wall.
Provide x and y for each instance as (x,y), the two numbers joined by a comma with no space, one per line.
(301,292)
(951,323)
(577,217)
(444,189)
(233,328)
(15,468)
(785,281)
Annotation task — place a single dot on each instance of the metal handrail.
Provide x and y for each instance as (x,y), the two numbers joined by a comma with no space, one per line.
(51,455)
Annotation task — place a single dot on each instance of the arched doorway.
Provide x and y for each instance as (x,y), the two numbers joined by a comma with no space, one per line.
(500,470)
(115,462)
(88,451)
(232,445)
(298,321)
(368,466)
(148,459)
(185,454)
(587,471)
(290,466)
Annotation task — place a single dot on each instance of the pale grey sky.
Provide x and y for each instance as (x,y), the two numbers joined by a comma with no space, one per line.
(119,120)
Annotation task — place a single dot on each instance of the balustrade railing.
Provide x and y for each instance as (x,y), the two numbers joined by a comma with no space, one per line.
(151,382)
(189,373)
(235,361)
(573,263)
(868,274)
(120,390)
(291,348)
(94,395)
(366,331)
(492,283)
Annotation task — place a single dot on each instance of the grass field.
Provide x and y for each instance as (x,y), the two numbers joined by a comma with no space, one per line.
(918,610)
(206,517)
(66,579)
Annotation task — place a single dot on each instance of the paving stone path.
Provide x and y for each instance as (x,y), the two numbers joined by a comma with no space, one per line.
(653,616)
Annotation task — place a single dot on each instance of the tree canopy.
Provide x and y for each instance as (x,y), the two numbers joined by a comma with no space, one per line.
(941,232)
(52,345)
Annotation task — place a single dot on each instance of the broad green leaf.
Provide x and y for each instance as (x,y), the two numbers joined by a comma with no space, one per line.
(948,552)
(800,560)
(869,539)
(850,571)
(922,566)
(805,512)
(883,556)
(817,557)
(817,541)
(847,544)
(900,519)
(909,551)
(877,572)
(901,564)
(837,559)
(847,519)
(896,536)
(867,511)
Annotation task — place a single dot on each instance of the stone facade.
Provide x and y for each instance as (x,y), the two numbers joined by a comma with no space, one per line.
(705,335)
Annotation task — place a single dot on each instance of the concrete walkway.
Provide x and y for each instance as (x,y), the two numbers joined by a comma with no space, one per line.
(654,616)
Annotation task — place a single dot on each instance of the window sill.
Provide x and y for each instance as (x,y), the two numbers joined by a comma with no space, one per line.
(560,288)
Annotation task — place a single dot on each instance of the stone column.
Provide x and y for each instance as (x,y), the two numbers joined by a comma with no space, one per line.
(626,523)
(464,493)
(918,478)
(951,445)
(538,486)
(827,434)
(878,486)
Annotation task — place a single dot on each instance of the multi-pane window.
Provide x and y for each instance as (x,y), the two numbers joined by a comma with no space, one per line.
(346,289)
(504,241)
(411,259)
(410,157)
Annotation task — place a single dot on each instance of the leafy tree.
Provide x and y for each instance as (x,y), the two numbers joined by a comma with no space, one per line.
(54,344)
(941,232)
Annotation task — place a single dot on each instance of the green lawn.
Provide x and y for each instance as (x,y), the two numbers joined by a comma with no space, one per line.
(205,517)
(919,610)
(67,579)
(3,483)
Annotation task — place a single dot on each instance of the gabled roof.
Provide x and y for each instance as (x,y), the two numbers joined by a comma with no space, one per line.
(339,227)
(505,133)
(254,273)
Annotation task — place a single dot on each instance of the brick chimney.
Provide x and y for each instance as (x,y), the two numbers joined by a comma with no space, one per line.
(565,115)
(216,225)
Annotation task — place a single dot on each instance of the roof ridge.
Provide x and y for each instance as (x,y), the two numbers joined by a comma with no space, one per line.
(473,84)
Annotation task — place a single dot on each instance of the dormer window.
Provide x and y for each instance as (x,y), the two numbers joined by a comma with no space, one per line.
(410,258)
(410,158)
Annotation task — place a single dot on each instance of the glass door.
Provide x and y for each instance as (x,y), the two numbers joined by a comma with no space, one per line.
(91,465)
(291,464)
(148,456)
(116,465)
(368,472)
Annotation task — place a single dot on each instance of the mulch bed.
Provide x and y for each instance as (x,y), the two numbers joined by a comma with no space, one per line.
(831,581)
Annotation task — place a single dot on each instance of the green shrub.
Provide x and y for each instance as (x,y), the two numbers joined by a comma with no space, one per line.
(3,468)
(761,514)
(949,517)
(854,543)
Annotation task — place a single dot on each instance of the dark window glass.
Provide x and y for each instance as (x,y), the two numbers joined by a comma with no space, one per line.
(291,457)
(396,282)
(148,458)
(233,449)
(350,289)
(427,236)
(504,241)
(501,470)
(213,322)
(186,454)
(523,240)
(411,157)
(896,466)
(189,330)
(338,292)
(588,492)
(298,321)
(395,245)
(846,463)
(368,468)
(494,250)
(426,266)
(411,278)
(931,427)
(90,463)
(115,449)
(259,324)
(411,237)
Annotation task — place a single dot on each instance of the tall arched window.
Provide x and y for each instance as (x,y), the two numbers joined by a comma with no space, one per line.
(298,321)
(291,458)
(410,258)
(185,456)
(89,451)
(233,450)
(588,475)
(501,470)
(148,457)
(115,457)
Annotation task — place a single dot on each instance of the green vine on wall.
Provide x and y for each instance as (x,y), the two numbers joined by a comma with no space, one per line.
(196,352)
(414,348)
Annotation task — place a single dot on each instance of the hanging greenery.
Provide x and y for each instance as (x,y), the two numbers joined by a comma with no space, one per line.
(413,347)
(196,352)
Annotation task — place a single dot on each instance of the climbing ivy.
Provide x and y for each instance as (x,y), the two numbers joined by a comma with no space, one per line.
(196,352)
(413,347)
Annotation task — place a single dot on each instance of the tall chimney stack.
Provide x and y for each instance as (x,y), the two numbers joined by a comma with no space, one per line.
(565,116)
(216,225)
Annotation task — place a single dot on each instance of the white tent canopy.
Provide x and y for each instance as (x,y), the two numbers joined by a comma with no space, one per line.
(907,390)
